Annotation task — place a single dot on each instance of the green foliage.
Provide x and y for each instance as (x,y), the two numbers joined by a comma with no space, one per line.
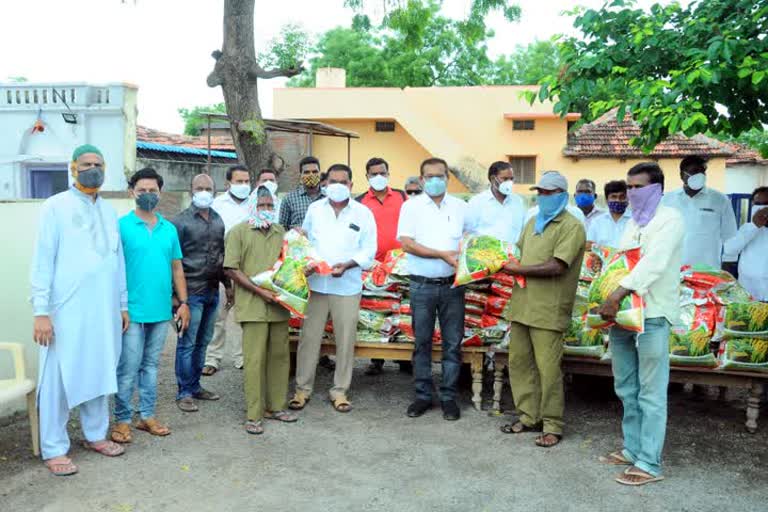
(286,51)
(194,121)
(415,46)
(255,128)
(673,68)
(528,64)
(756,138)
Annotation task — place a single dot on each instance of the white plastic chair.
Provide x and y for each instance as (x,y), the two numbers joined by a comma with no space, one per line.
(17,387)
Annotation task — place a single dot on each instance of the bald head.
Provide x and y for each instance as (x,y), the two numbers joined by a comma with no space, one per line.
(202,182)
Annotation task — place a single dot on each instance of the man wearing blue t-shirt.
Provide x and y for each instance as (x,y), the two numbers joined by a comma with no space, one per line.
(153,269)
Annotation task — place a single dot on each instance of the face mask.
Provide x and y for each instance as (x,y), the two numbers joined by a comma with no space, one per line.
(585,199)
(240,191)
(644,202)
(310,180)
(263,219)
(147,201)
(324,191)
(697,181)
(617,206)
(435,186)
(202,199)
(379,182)
(505,188)
(337,192)
(91,178)
(756,208)
(550,207)
(271,186)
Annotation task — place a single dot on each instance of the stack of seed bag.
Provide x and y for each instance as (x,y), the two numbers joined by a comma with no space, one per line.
(745,336)
(487,289)
(383,289)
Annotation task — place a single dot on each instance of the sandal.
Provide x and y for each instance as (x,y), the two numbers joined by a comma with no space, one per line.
(104,447)
(254,427)
(519,427)
(635,476)
(299,401)
(209,370)
(153,426)
(542,442)
(64,466)
(121,433)
(284,416)
(341,404)
(614,459)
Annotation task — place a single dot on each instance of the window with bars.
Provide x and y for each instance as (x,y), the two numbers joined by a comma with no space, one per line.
(385,126)
(524,168)
(523,124)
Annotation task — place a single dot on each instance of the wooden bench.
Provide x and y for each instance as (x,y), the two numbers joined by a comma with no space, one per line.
(581,366)
(475,356)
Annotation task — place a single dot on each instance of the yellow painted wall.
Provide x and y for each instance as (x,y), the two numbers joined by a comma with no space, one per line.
(464,125)
(19,232)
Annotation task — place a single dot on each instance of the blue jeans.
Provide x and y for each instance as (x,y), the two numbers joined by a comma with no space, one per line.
(428,302)
(190,349)
(142,345)
(641,376)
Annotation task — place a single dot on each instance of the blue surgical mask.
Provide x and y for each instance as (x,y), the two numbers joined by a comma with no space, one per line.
(549,207)
(585,199)
(147,201)
(435,186)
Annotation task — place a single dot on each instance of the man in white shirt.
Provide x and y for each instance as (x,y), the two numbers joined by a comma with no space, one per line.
(343,232)
(641,361)
(607,230)
(430,229)
(708,215)
(751,246)
(498,211)
(232,207)
(585,196)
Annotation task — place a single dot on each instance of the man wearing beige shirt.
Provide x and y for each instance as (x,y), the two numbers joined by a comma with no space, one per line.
(641,361)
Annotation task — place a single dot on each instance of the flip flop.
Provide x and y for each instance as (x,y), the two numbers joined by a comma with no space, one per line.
(106,448)
(121,433)
(61,468)
(153,426)
(614,459)
(284,416)
(254,427)
(543,444)
(645,478)
(209,370)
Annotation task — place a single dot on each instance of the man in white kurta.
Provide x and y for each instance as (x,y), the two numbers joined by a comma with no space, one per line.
(79,302)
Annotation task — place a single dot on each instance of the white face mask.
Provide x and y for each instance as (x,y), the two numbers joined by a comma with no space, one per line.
(202,199)
(271,186)
(337,192)
(756,208)
(240,191)
(697,181)
(379,182)
(506,187)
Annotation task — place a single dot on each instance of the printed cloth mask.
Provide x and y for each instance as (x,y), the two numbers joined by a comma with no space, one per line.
(617,206)
(310,180)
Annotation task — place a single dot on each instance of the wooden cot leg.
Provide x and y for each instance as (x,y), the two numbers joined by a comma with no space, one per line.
(753,405)
(477,381)
(498,386)
(34,422)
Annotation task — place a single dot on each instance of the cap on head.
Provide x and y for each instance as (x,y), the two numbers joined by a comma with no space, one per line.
(551,180)
(85,149)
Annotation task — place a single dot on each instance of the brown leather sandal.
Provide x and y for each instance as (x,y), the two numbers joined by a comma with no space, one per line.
(299,401)
(153,426)
(341,404)
(121,433)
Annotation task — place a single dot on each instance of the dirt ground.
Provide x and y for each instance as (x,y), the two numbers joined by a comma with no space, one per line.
(375,458)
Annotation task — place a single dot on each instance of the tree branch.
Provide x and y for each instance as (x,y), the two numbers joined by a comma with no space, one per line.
(257,72)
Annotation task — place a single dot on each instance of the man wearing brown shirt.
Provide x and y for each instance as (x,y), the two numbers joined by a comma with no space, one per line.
(552,247)
(253,247)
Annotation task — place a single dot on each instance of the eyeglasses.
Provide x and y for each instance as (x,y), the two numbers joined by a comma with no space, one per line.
(413,192)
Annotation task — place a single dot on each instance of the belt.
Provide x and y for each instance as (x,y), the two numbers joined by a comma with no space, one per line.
(433,280)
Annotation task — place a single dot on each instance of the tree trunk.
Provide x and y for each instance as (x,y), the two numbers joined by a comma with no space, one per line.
(237,72)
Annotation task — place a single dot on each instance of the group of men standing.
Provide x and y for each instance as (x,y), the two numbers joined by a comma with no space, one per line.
(104,291)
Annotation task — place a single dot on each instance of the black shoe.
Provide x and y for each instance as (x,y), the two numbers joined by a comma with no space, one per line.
(406,367)
(451,411)
(418,408)
(327,363)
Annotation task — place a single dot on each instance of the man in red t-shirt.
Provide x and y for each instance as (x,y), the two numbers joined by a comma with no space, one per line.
(385,203)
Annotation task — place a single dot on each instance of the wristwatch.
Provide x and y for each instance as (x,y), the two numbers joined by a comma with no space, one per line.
(183,303)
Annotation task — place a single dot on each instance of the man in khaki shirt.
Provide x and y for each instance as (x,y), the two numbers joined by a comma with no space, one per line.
(552,247)
(252,247)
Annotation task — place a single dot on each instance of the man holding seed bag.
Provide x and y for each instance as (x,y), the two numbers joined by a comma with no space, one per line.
(641,360)
(551,247)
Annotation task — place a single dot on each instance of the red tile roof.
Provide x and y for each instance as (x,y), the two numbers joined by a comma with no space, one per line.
(222,143)
(745,155)
(605,137)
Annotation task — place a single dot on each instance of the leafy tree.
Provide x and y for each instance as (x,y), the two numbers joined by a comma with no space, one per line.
(756,138)
(194,121)
(693,69)
(528,64)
